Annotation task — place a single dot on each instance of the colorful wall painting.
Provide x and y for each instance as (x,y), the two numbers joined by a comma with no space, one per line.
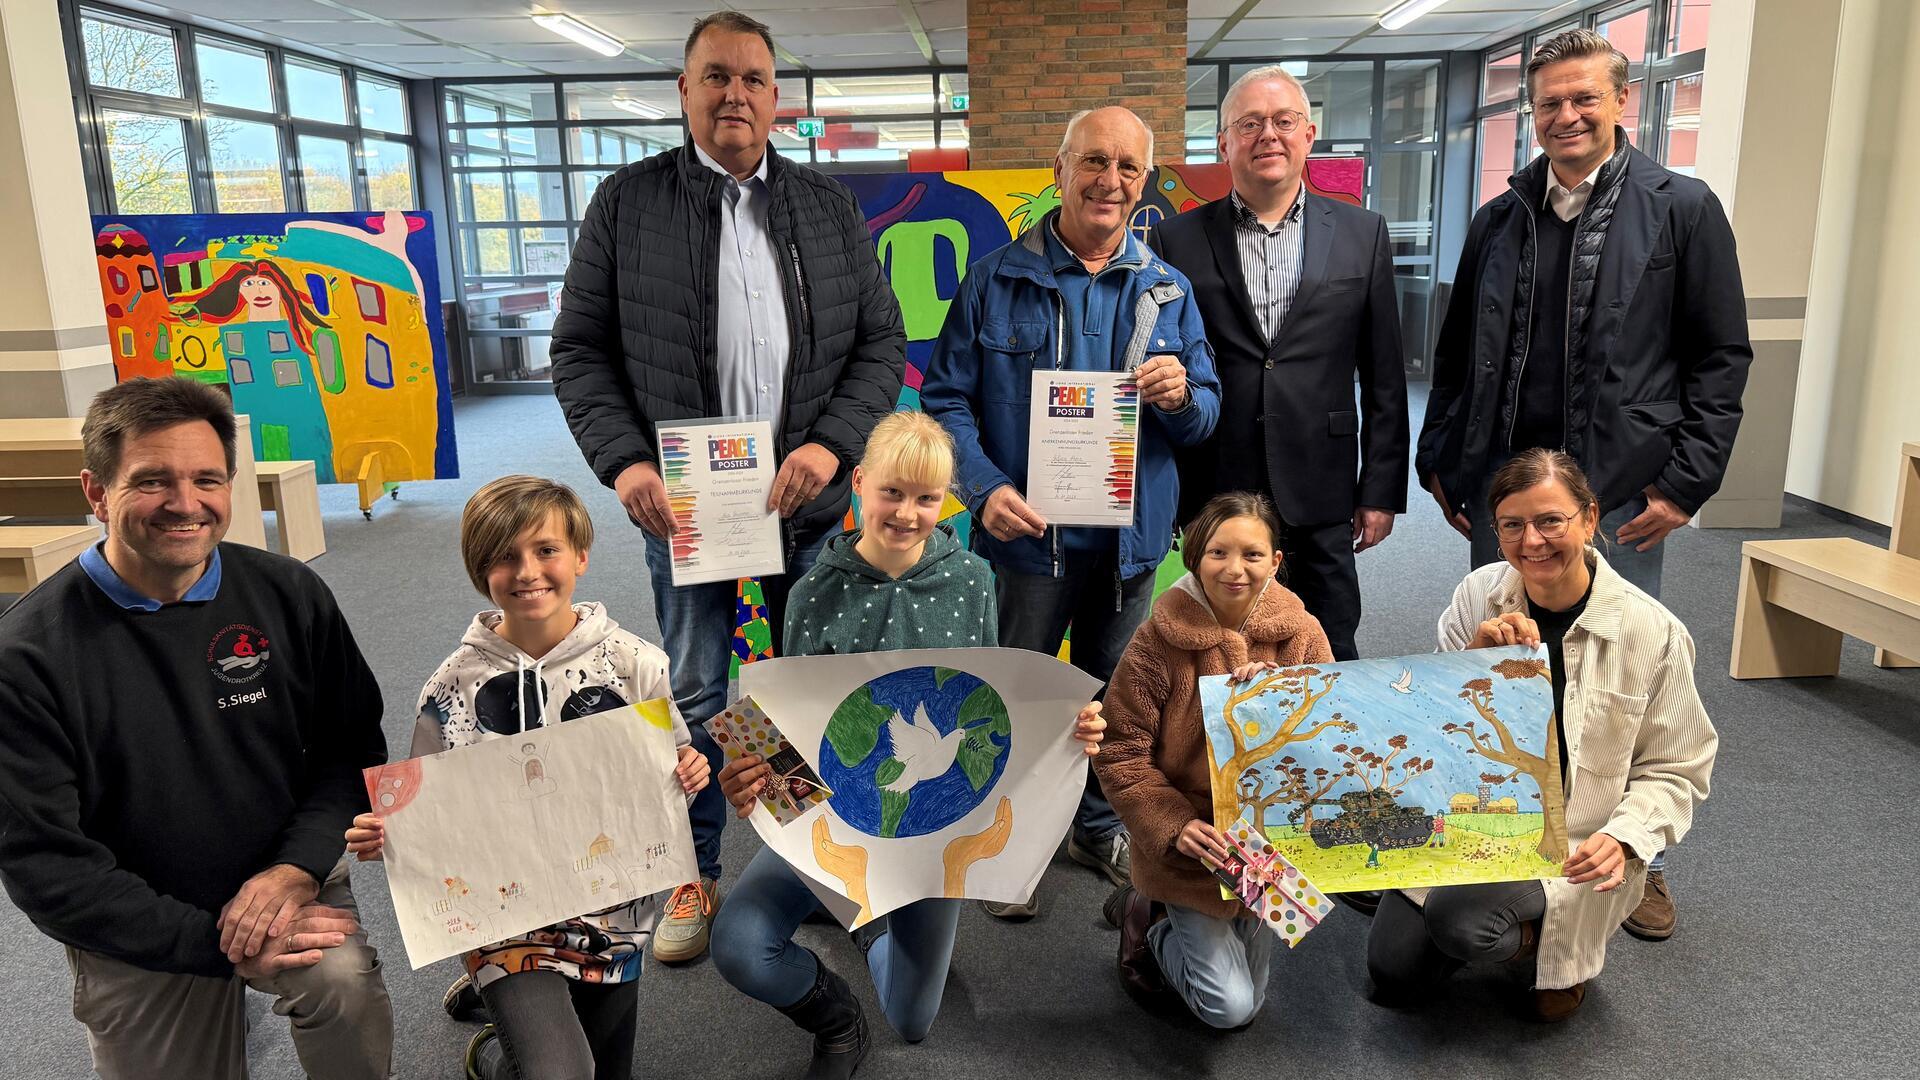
(1396,773)
(929,227)
(325,328)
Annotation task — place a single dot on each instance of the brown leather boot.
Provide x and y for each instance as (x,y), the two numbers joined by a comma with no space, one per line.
(1140,971)
(1553,1006)
(1653,919)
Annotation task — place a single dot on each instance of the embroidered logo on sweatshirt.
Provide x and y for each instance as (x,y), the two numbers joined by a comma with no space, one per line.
(238,653)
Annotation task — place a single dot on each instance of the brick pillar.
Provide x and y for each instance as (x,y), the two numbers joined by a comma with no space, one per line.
(1032,64)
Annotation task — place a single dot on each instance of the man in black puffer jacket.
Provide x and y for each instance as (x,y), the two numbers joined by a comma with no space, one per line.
(720,280)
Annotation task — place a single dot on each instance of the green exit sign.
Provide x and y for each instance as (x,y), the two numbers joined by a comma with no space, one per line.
(957,102)
(811,127)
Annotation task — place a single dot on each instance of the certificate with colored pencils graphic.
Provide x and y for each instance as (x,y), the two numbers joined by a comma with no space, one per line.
(719,474)
(1082,436)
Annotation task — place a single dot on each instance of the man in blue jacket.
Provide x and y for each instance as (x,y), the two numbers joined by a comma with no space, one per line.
(1078,292)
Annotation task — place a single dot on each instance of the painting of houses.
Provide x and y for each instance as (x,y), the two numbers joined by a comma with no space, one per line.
(324,328)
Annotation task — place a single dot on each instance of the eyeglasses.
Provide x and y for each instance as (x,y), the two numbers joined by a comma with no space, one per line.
(1584,104)
(1285,123)
(1549,526)
(1098,164)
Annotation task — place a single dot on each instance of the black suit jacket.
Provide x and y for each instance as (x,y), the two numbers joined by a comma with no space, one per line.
(1288,421)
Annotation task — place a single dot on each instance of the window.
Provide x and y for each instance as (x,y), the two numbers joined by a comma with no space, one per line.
(245,157)
(1412,101)
(326,173)
(233,75)
(316,92)
(174,119)
(1203,129)
(383,105)
(1686,25)
(1626,30)
(147,160)
(389,168)
(1680,121)
(1494,150)
(379,364)
(129,54)
(1500,78)
(872,95)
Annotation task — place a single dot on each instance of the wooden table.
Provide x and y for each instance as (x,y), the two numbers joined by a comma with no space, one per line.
(1799,597)
(1906,532)
(50,447)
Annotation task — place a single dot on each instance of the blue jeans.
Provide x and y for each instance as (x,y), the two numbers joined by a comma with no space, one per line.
(1219,967)
(1104,611)
(753,947)
(696,630)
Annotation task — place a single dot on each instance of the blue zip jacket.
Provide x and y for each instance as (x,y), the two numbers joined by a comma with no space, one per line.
(1006,323)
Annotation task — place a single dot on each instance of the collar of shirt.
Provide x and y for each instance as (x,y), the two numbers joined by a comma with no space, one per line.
(1063,258)
(759,174)
(94,562)
(1244,215)
(1568,202)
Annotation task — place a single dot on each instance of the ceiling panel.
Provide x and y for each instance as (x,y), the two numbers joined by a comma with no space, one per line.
(1230,48)
(487,31)
(1367,9)
(942,14)
(851,44)
(256,9)
(334,33)
(1271,29)
(401,54)
(653,25)
(833,20)
(1404,42)
(950,44)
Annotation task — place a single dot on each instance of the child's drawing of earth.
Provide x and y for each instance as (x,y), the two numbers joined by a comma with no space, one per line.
(914,751)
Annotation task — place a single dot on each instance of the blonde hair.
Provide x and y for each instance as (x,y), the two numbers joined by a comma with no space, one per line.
(913,447)
(503,511)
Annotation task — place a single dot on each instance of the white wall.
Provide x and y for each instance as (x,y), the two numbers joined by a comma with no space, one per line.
(1859,385)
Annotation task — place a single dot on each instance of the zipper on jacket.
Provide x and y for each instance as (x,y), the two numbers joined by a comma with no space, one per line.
(1533,282)
(800,287)
(1566,343)
(1059,363)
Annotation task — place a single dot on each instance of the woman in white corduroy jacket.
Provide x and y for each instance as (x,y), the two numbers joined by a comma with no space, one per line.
(1635,744)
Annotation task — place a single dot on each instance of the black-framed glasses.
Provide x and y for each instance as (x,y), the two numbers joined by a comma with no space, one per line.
(1097,164)
(1285,122)
(1584,104)
(1549,526)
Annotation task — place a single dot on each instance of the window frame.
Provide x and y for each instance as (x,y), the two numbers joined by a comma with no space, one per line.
(196,112)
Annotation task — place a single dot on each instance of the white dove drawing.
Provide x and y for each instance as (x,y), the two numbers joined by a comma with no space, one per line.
(919,747)
(1404,684)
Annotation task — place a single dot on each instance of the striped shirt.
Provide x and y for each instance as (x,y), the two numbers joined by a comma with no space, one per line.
(1271,259)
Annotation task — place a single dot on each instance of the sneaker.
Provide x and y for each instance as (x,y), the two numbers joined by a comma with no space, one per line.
(1553,1006)
(1014,912)
(484,1052)
(462,1000)
(1111,857)
(1653,919)
(682,935)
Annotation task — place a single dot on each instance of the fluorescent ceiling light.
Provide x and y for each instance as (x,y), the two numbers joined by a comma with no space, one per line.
(576,31)
(1407,12)
(639,108)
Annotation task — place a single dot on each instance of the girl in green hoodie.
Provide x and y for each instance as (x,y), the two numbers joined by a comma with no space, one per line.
(901,581)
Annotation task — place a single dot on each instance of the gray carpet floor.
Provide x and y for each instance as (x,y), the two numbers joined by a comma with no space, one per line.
(1791,959)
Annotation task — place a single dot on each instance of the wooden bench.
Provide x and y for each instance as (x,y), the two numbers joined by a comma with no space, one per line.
(43,496)
(1906,534)
(1799,597)
(29,554)
(291,490)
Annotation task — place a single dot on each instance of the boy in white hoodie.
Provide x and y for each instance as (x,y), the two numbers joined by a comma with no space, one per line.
(565,996)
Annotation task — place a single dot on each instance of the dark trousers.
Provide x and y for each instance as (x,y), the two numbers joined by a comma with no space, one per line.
(1035,610)
(1318,565)
(1412,948)
(555,1028)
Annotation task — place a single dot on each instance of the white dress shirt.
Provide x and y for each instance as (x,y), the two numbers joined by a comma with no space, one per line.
(753,340)
(1568,204)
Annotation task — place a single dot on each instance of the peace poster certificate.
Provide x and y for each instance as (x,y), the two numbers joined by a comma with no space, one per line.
(1082,438)
(489,841)
(719,474)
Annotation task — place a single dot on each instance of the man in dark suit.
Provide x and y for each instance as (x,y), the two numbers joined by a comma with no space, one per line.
(1297,294)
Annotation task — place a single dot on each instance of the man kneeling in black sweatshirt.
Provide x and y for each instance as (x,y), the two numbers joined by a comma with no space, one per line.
(182,728)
